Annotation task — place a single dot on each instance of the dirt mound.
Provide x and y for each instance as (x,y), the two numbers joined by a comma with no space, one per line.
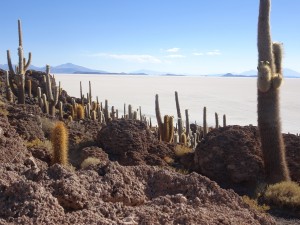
(12,148)
(232,157)
(132,143)
(114,194)
(26,119)
(82,134)
(292,145)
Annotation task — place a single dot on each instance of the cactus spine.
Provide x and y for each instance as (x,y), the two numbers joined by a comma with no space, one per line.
(59,139)
(268,82)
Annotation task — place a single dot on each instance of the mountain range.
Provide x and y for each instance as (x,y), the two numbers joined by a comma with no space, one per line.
(69,68)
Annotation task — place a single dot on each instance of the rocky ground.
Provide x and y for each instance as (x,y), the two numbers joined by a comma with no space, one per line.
(136,180)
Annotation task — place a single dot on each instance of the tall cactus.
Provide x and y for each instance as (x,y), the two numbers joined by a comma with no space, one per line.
(51,92)
(158,116)
(268,82)
(18,76)
(180,129)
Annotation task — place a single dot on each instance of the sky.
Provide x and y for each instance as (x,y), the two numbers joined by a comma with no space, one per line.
(174,36)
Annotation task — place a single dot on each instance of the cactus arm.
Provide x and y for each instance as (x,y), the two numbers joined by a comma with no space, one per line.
(11,69)
(277,76)
(28,62)
(264,76)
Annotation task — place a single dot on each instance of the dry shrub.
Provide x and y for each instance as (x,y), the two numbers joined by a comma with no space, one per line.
(284,195)
(37,143)
(254,204)
(47,126)
(168,160)
(3,110)
(181,150)
(89,161)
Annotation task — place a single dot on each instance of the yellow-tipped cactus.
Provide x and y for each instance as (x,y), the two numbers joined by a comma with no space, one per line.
(59,139)
(79,112)
(268,82)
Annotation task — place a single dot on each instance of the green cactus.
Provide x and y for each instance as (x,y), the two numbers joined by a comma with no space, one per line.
(268,82)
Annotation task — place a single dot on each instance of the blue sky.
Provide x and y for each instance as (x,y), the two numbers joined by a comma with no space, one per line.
(177,36)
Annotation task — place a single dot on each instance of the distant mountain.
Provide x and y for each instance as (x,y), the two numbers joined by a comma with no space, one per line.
(149,72)
(63,68)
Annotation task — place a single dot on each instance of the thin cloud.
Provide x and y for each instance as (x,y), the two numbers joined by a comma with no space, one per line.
(173,50)
(213,53)
(176,56)
(129,58)
(198,53)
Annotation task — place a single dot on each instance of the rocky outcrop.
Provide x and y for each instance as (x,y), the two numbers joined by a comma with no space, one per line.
(132,143)
(115,194)
(232,157)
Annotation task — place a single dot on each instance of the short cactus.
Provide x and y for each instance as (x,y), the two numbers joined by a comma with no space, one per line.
(59,140)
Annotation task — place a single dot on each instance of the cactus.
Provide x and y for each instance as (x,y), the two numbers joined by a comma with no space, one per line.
(94,115)
(70,118)
(17,76)
(204,122)
(29,87)
(134,115)
(183,138)
(187,123)
(158,116)
(52,93)
(59,140)
(79,112)
(60,110)
(45,104)
(217,120)
(90,93)
(130,114)
(268,82)
(224,121)
(178,115)
(9,94)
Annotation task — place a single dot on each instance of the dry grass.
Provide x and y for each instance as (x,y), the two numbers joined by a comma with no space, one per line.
(284,194)
(181,150)
(89,161)
(254,204)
